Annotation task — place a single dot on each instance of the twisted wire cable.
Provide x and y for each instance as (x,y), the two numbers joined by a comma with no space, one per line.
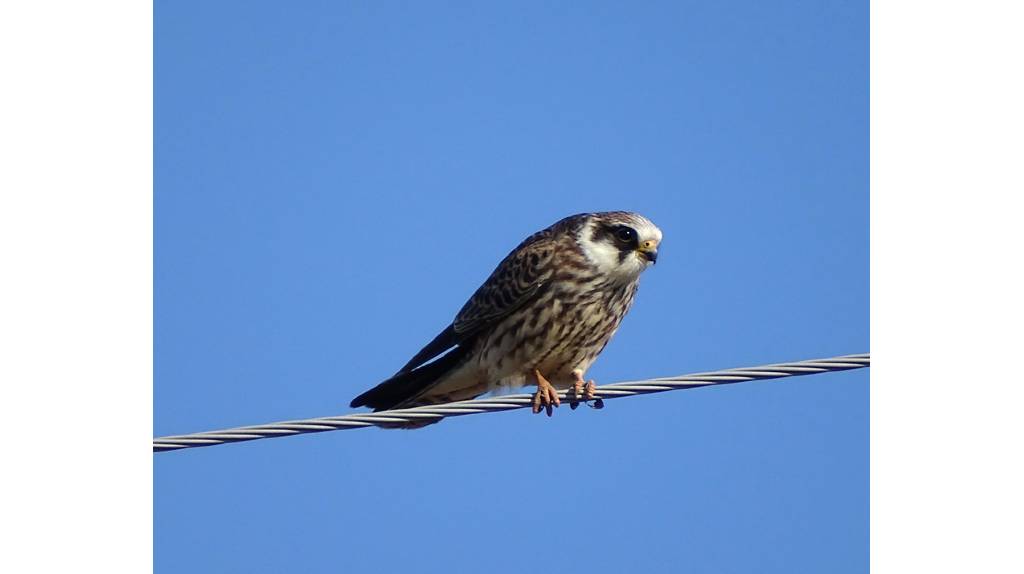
(492,404)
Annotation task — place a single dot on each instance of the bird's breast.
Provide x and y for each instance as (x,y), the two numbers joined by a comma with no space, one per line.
(563,329)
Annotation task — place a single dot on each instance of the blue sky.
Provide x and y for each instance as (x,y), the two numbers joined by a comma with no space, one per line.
(333,179)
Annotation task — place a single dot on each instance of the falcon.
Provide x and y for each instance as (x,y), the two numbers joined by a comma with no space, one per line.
(542,317)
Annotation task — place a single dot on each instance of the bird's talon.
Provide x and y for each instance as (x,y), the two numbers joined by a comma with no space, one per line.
(546,395)
(574,395)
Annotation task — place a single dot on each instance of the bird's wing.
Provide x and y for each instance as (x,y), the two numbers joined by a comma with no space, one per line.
(517,279)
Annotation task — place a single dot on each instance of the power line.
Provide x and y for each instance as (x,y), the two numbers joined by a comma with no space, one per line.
(433,413)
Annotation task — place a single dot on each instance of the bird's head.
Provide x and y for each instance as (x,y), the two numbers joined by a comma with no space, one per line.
(620,243)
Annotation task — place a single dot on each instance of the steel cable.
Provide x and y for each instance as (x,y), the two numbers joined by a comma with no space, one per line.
(506,403)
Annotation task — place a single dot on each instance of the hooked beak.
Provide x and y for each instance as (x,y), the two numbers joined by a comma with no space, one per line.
(649,251)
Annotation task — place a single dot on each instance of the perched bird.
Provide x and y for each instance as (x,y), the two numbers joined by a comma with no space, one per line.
(542,317)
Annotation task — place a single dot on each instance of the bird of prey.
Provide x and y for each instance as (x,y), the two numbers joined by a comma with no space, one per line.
(542,317)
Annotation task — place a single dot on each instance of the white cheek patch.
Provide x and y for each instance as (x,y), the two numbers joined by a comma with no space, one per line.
(606,257)
(603,255)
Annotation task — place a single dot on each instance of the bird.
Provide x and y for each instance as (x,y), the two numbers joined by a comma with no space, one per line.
(542,317)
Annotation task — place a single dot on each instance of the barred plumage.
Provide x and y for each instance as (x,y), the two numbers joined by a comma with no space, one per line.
(542,317)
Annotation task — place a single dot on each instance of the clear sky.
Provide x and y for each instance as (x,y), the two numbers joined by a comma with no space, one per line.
(334,179)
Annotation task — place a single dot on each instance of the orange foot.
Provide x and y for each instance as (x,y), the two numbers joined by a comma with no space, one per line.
(586,389)
(546,395)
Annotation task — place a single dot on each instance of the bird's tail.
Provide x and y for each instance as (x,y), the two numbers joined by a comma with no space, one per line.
(408,384)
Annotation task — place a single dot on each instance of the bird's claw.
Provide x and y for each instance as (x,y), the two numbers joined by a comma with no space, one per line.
(585,390)
(546,396)
(589,394)
(574,394)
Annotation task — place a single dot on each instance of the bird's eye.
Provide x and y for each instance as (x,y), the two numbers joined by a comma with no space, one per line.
(626,234)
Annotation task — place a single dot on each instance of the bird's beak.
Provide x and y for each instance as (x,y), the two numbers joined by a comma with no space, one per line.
(649,250)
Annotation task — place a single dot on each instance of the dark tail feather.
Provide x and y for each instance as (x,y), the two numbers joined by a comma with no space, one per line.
(406,385)
(441,343)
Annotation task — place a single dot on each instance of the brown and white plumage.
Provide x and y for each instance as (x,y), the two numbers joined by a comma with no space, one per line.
(544,314)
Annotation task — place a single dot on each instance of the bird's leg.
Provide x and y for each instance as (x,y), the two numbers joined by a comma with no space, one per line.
(546,395)
(588,390)
(577,389)
(588,394)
